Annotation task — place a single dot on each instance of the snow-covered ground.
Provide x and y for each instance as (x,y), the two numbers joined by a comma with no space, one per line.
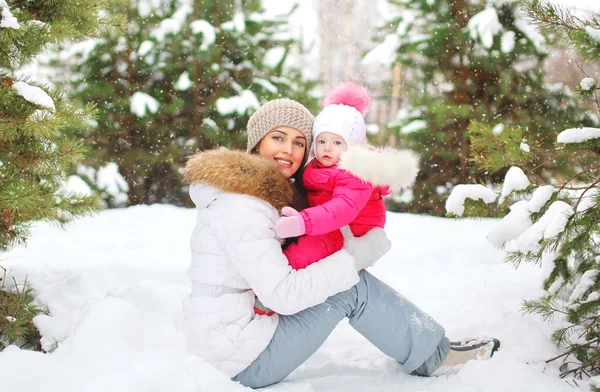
(114,284)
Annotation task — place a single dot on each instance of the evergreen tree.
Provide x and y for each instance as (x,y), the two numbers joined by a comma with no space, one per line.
(35,148)
(184,76)
(35,120)
(467,60)
(554,223)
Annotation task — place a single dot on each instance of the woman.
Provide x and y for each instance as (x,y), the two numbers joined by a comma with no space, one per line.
(236,256)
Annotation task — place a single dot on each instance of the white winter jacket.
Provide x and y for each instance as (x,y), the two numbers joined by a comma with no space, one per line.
(235,255)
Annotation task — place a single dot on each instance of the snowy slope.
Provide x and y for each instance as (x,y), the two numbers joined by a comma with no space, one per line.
(114,284)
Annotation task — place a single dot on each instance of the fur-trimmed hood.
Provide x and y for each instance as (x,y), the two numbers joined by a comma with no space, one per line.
(397,169)
(242,173)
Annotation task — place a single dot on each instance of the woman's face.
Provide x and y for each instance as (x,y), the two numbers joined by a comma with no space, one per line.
(286,146)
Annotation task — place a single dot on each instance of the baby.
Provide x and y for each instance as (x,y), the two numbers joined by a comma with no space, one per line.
(345,182)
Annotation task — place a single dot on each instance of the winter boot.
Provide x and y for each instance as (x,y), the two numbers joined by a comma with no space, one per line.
(466,350)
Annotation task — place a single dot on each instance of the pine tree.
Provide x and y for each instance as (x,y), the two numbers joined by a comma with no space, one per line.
(36,150)
(467,60)
(184,76)
(554,223)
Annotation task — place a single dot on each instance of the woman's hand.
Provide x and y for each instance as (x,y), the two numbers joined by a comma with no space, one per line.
(291,224)
(369,248)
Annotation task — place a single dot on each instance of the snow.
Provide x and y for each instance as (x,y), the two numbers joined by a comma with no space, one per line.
(8,21)
(114,284)
(540,197)
(578,135)
(579,7)
(405,196)
(588,200)
(593,296)
(549,226)
(70,54)
(587,280)
(238,20)
(372,129)
(593,33)
(239,104)
(385,53)
(146,7)
(536,38)
(518,226)
(456,201)
(166,26)
(485,25)
(508,41)
(497,129)
(183,82)
(208,32)
(76,185)
(145,48)
(302,24)
(524,147)
(173,24)
(274,56)
(265,84)
(112,182)
(107,179)
(34,94)
(549,257)
(238,23)
(558,217)
(587,83)
(210,122)
(511,226)
(141,103)
(425,323)
(37,23)
(515,180)
(413,126)
(41,115)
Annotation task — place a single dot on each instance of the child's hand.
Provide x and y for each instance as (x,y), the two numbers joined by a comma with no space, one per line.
(290,224)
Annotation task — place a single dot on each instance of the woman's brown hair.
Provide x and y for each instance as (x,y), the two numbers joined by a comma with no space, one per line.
(300,199)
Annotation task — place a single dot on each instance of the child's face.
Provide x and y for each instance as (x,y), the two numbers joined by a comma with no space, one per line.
(329,148)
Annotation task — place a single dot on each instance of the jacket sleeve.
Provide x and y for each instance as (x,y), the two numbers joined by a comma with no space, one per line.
(256,254)
(310,249)
(350,196)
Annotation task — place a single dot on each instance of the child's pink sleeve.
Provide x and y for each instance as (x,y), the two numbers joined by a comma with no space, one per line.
(350,196)
(311,248)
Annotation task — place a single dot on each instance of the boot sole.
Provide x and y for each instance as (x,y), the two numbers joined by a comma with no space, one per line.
(457,346)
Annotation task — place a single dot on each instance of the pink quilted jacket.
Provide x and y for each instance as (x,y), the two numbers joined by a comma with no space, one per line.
(337,198)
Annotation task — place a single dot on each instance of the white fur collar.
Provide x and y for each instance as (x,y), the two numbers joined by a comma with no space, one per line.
(388,167)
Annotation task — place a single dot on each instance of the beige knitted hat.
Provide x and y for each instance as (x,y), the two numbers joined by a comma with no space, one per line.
(278,113)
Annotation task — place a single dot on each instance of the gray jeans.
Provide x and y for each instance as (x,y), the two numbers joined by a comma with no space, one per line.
(388,320)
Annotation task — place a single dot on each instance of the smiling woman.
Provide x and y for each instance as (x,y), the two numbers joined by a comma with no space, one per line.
(282,130)
(285,145)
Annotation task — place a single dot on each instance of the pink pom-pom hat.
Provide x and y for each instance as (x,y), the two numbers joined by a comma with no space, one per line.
(349,94)
(344,108)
